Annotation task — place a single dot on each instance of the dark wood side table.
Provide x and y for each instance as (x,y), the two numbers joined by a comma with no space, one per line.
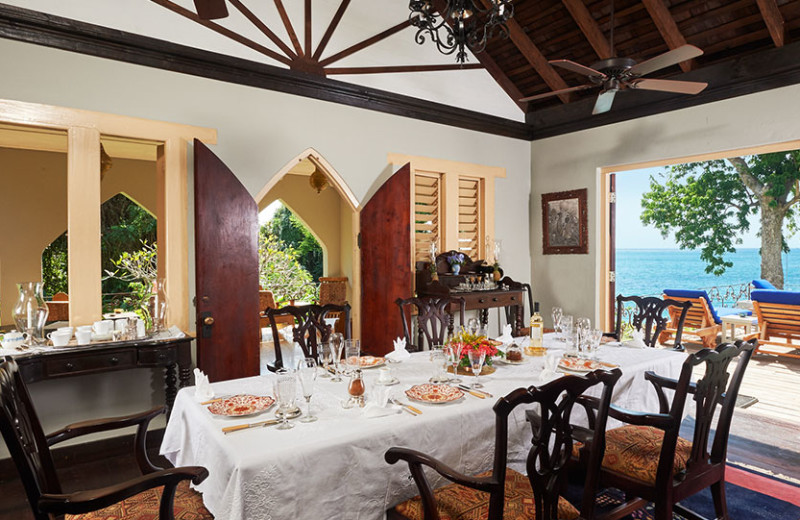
(175,355)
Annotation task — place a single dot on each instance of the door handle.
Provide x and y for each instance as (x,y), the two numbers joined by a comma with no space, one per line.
(206,324)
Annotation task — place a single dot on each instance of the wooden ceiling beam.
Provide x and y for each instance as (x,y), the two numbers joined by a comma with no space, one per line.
(308,28)
(402,68)
(589,27)
(535,57)
(774,20)
(261,26)
(665,23)
(224,31)
(365,43)
(287,23)
(330,30)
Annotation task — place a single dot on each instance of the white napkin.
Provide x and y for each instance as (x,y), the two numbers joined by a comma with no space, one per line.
(400,353)
(637,341)
(506,338)
(202,388)
(550,366)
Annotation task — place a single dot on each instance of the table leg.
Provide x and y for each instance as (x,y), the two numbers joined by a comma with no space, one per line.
(450,325)
(484,316)
(170,389)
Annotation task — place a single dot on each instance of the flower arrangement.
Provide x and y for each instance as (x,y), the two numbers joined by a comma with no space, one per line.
(472,341)
(456,258)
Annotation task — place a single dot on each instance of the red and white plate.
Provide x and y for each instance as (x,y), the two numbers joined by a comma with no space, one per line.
(434,394)
(240,405)
(371,361)
(583,365)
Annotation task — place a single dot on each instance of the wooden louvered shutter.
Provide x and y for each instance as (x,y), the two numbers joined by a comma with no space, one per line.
(427,204)
(469,216)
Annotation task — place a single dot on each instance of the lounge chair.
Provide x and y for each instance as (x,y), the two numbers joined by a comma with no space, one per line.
(778,315)
(702,320)
(761,283)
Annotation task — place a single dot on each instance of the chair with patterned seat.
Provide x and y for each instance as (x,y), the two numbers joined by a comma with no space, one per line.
(136,499)
(649,317)
(432,317)
(650,462)
(309,329)
(503,493)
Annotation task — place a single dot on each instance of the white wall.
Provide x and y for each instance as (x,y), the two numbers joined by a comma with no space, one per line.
(573,161)
(259,131)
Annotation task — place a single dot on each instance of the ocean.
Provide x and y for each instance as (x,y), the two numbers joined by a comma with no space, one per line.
(649,271)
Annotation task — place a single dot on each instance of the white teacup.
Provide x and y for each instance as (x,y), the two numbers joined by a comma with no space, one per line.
(60,339)
(65,330)
(13,340)
(384,374)
(104,327)
(120,324)
(84,337)
(84,328)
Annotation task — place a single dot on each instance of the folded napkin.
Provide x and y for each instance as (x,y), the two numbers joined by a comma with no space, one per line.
(202,388)
(506,338)
(400,353)
(550,365)
(637,341)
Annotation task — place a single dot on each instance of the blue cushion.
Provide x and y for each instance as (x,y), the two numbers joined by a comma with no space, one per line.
(764,284)
(777,296)
(694,293)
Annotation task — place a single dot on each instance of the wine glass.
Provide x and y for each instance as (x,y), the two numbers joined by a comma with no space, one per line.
(476,358)
(455,350)
(439,360)
(285,392)
(325,354)
(337,344)
(557,313)
(307,373)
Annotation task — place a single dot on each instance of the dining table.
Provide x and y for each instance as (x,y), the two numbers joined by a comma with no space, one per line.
(335,468)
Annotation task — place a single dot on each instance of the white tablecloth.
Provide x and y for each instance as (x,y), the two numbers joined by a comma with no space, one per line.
(334,468)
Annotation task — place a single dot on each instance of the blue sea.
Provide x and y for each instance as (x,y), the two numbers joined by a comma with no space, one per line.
(650,271)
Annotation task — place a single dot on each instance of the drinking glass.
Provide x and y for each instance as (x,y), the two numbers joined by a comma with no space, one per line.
(439,360)
(352,356)
(472,325)
(285,392)
(337,344)
(593,343)
(568,332)
(454,352)
(557,313)
(307,373)
(325,354)
(476,359)
(582,328)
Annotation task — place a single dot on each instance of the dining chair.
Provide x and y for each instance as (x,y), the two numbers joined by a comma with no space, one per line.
(309,322)
(503,491)
(433,320)
(515,285)
(650,462)
(649,316)
(30,450)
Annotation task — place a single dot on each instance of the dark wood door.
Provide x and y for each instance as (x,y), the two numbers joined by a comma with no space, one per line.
(226,261)
(386,271)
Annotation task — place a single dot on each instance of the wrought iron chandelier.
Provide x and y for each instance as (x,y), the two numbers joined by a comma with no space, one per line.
(464,24)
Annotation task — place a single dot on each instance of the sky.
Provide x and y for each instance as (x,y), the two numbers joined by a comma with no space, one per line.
(632,234)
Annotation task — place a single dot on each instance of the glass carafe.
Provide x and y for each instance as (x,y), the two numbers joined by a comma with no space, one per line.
(30,312)
(158,305)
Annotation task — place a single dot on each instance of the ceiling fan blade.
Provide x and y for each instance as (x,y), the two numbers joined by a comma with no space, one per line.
(604,102)
(668,85)
(673,57)
(577,67)
(557,92)
(211,9)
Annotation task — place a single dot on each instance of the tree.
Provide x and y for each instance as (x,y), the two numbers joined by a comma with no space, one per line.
(292,234)
(710,204)
(280,272)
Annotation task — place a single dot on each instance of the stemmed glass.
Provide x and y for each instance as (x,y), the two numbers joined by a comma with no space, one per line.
(325,359)
(455,350)
(582,328)
(476,358)
(307,373)
(557,313)
(285,389)
(337,343)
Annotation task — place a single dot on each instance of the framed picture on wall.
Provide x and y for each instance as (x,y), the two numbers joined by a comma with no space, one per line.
(564,223)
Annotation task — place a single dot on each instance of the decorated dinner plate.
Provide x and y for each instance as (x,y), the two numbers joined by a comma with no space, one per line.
(583,365)
(434,394)
(241,405)
(372,361)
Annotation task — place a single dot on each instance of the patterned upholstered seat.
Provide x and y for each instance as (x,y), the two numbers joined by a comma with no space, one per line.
(188,505)
(457,502)
(634,451)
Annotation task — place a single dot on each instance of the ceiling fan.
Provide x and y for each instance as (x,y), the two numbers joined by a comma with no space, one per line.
(211,9)
(615,74)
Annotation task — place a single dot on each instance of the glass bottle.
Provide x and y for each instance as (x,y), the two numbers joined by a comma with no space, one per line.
(30,312)
(537,331)
(158,304)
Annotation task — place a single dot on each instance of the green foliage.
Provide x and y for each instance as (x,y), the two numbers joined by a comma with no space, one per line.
(54,266)
(280,272)
(292,234)
(138,270)
(708,205)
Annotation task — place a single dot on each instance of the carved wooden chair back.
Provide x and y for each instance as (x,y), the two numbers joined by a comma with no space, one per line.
(309,328)
(652,316)
(433,319)
(24,436)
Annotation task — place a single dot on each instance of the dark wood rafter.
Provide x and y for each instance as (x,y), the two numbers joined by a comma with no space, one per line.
(223,31)
(365,43)
(308,28)
(261,26)
(666,25)
(331,28)
(773,19)
(287,23)
(589,27)
(389,69)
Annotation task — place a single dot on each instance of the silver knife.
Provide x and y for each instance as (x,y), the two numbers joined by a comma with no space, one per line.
(465,387)
(268,422)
